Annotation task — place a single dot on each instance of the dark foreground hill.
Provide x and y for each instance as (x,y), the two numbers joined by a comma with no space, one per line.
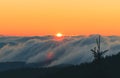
(106,68)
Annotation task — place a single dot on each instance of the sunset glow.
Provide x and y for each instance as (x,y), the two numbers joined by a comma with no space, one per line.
(72,17)
(59,35)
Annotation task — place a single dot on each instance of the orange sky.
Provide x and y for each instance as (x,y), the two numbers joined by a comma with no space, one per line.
(70,17)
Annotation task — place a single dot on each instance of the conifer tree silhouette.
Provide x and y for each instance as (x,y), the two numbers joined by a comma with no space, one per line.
(97,52)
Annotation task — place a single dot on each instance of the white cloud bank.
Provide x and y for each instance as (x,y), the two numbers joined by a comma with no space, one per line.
(72,50)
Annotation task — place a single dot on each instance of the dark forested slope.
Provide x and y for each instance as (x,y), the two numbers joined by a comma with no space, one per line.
(108,67)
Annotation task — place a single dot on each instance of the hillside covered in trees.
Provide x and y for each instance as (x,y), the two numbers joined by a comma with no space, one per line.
(108,67)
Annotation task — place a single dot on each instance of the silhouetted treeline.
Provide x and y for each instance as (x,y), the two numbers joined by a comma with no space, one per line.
(108,67)
(97,52)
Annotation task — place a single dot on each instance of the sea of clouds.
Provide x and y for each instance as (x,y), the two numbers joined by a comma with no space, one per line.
(70,50)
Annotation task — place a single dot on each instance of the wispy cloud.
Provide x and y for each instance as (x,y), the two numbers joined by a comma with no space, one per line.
(72,50)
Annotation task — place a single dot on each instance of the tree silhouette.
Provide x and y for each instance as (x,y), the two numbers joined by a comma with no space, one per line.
(97,52)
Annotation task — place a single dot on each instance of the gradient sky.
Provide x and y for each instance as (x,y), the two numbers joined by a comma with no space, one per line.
(70,17)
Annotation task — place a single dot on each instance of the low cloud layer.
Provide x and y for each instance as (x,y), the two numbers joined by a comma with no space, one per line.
(71,50)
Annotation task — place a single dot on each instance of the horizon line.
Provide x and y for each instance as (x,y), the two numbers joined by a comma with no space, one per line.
(51,35)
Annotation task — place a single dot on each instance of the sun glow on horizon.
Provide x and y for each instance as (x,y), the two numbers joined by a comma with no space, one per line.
(59,35)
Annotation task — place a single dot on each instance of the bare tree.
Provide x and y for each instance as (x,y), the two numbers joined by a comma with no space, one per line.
(97,52)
